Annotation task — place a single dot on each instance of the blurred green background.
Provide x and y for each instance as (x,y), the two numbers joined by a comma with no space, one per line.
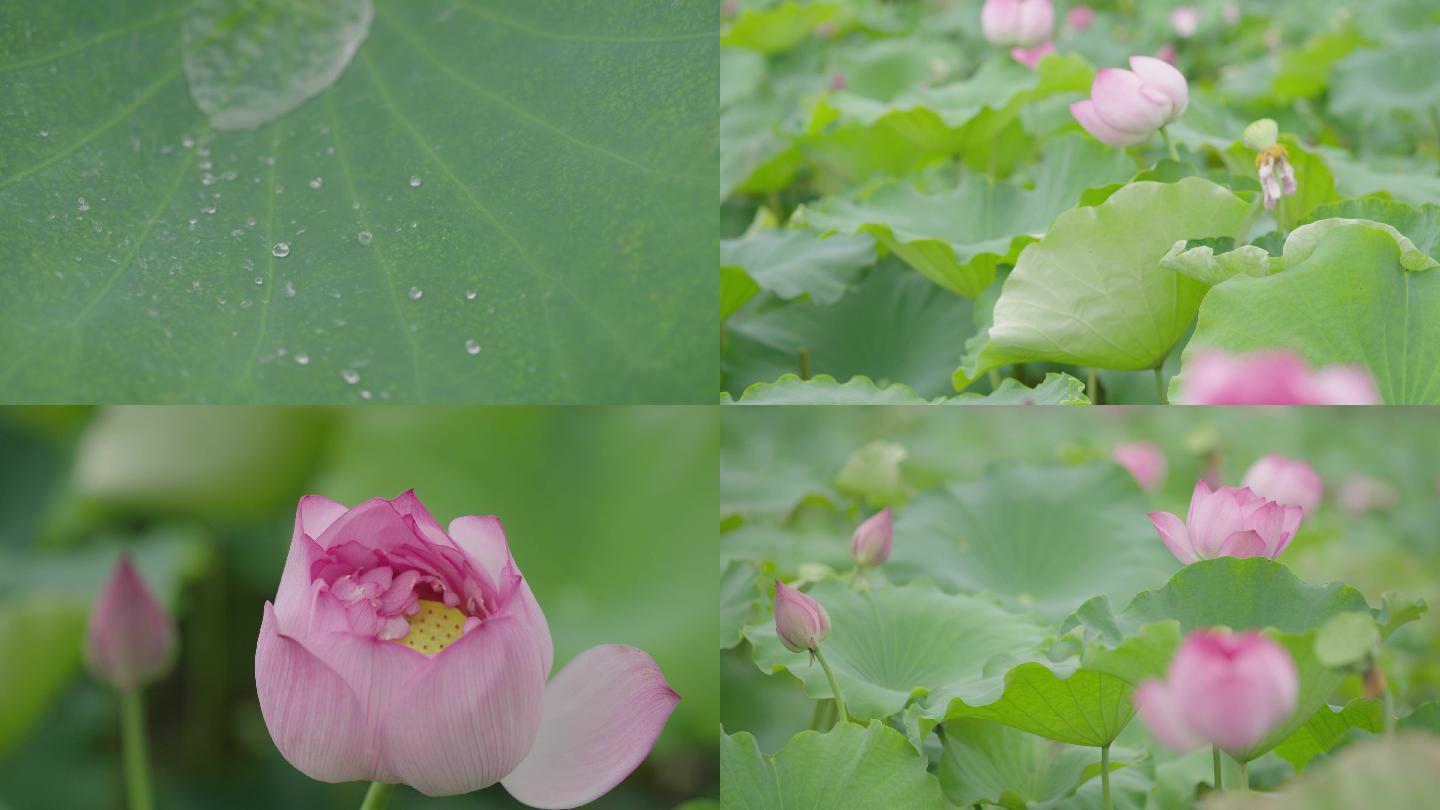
(609,513)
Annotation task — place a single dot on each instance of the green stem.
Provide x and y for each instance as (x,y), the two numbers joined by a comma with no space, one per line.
(1160,385)
(378,796)
(1244,774)
(1215,755)
(804,358)
(1389,697)
(994,375)
(1092,386)
(1169,144)
(137,765)
(1105,775)
(834,685)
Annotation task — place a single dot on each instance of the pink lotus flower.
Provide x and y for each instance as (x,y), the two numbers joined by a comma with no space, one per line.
(1228,522)
(399,652)
(870,544)
(1144,460)
(1285,480)
(1030,57)
(1078,18)
(1186,21)
(1025,23)
(1223,689)
(800,621)
(1127,107)
(1276,377)
(130,639)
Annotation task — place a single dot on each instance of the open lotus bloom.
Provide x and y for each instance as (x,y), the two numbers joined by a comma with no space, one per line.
(1223,689)
(1127,107)
(1145,461)
(1022,23)
(397,651)
(1278,377)
(130,639)
(1285,480)
(1228,522)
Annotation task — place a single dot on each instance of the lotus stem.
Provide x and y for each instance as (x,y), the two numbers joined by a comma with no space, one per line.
(1092,386)
(1215,755)
(804,363)
(1160,385)
(1389,698)
(137,765)
(1105,775)
(1169,144)
(378,796)
(834,686)
(1244,774)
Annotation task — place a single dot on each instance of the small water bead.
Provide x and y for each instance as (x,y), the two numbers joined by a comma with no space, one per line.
(250,222)
(302,358)
(281,250)
(472,346)
(207,179)
(44,133)
(355,205)
(209,209)
(187,141)
(415,181)
(316,182)
(259,281)
(364,237)
(364,394)
(279,189)
(350,376)
(470,295)
(83,206)
(415,293)
(289,289)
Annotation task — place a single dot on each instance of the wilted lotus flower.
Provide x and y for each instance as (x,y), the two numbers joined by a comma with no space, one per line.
(1030,57)
(130,639)
(1272,162)
(1078,18)
(400,653)
(1127,107)
(1223,689)
(870,544)
(1024,23)
(1278,377)
(1144,460)
(1228,522)
(1287,481)
(800,621)
(1186,21)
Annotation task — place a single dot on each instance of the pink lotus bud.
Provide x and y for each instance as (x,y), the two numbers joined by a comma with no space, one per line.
(130,640)
(1186,21)
(1278,377)
(1167,53)
(837,81)
(1078,18)
(1025,23)
(1223,689)
(1286,481)
(1030,57)
(800,621)
(1127,107)
(870,545)
(1228,522)
(1277,176)
(1144,460)
(397,651)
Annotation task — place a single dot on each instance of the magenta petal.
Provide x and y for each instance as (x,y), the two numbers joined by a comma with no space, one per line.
(1163,715)
(1084,112)
(292,599)
(373,524)
(483,538)
(1244,544)
(471,715)
(312,714)
(603,713)
(408,505)
(1172,531)
(316,513)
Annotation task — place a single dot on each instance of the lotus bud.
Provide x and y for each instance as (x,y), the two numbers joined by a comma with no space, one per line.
(1023,23)
(1261,134)
(870,545)
(1127,107)
(130,640)
(1145,461)
(1278,377)
(1287,481)
(1078,18)
(837,81)
(1186,21)
(1228,522)
(800,621)
(1030,57)
(1223,689)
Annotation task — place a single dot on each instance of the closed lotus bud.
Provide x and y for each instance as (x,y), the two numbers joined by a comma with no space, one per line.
(800,621)
(1278,377)
(1227,522)
(1145,461)
(870,545)
(1127,107)
(1286,480)
(1186,21)
(1078,18)
(1223,689)
(1023,23)
(130,640)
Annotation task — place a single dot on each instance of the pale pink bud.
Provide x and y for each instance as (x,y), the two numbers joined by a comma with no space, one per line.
(1276,377)
(1144,460)
(1223,689)
(1127,107)
(870,545)
(1167,53)
(1025,23)
(1030,57)
(800,621)
(130,640)
(1078,18)
(1186,21)
(1228,522)
(1287,481)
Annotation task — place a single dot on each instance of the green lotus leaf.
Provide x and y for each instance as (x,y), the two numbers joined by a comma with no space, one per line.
(995,764)
(1400,771)
(1327,727)
(1351,292)
(1403,178)
(1200,262)
(850,767)
(780,27)
(890,645)
(1064,703)
(740,600)
(1419,224)
(1055,389)
(736,290)
(1376,82)
(1092,291)
(792,263)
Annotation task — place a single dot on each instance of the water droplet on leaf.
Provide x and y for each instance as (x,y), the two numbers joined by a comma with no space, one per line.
(281,250)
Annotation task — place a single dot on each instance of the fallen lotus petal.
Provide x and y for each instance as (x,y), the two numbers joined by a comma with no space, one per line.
(130,639)
(1228,522)
(1127,107)
(397,651)
(1285,480)
(800,621)
(1145,461)
(1223,689)
(1277,377)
